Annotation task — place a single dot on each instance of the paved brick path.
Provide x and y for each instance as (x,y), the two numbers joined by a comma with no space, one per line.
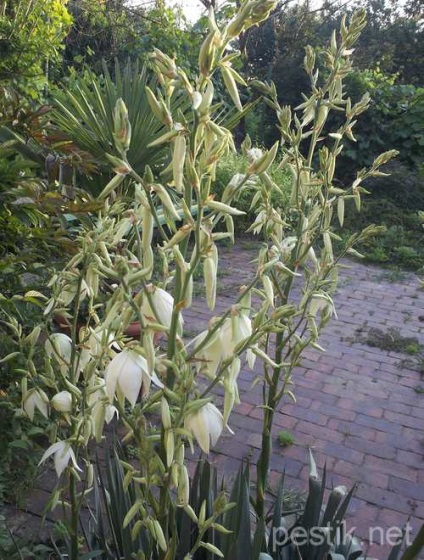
(357,406)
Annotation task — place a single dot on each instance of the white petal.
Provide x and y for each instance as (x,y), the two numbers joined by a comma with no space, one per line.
(250,358)
(196,100)
(62,401)
(163,303)
(156,381)
(200,430)
(29,405)
(61,458)
(210,356)
(234,371)
(74,461)
(111,376)
(129,383)
(110,412)
(98,414)
(59,347)
(51,450)
(215,422)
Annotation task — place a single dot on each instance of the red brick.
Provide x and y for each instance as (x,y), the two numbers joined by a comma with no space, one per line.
(379,424)
(404,420)
(359,473)
(244,408)
(320,432)
(310,416)
(403,487)
(282,463)
(398,441)
(285,421)
(351,429)
(391,467)
(336,412)
(385,499)
(417,412)
(411,459)
(344,453)
(370,447)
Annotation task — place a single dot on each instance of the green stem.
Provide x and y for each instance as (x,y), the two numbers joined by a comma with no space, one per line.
(74,516)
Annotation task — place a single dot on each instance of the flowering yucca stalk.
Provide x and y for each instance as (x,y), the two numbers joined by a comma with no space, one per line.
(98,372)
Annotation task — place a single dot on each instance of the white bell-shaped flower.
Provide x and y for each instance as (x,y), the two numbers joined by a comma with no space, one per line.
(233,332)
(59,347)
(206,425)
(63,453)
(35,398)
(127,374)
(209,357)
(101,409)
(163,304)
(222,345)
(322,302)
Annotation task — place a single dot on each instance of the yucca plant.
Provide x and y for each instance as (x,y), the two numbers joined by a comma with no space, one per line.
(316,531)
(97,372)
(84,113)
(107,534)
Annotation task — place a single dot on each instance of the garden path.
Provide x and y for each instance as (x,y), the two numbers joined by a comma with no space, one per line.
(360,407)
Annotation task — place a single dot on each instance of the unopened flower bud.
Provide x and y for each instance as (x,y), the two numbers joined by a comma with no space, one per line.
(62,402)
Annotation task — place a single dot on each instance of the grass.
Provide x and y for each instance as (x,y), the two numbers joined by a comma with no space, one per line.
(285,439)
(390,340)
(393,275)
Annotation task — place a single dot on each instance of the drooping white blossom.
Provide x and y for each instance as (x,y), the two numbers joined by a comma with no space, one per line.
(206,425)
(101,409)
(59,347)
(127,374)
(223,344)
(63,453)
(35,398)
(163,304)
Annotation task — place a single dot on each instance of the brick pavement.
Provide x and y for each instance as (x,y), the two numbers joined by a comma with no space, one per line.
(356,405)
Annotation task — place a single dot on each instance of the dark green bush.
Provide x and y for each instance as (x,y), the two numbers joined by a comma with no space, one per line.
(394,202)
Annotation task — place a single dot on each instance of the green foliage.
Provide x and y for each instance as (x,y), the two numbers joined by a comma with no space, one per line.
(395,202)
(236,163)
(31,39)
(117,29)
(285,438)
(390,340)
(84,114)
(321,509)
(395,118)
(14,548)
